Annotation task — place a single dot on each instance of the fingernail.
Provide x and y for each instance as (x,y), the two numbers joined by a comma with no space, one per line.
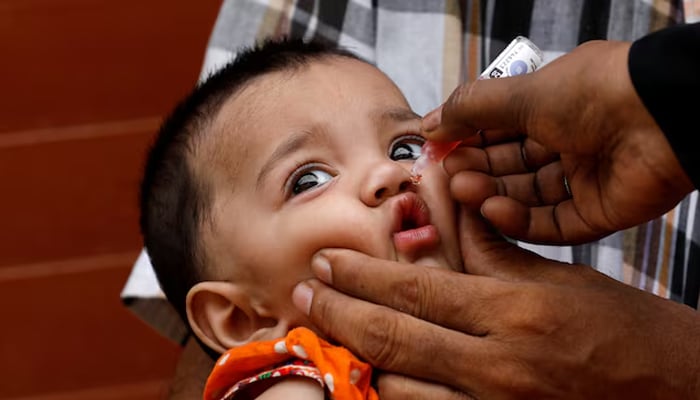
(431,121)
(302,297)
(322,268)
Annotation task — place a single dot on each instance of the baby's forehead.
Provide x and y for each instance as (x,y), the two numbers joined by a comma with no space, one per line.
(283,87)
(229,138)
(270,106)
(231,131)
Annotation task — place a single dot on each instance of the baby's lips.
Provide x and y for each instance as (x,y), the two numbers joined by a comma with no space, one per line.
(412,228)
(413,240)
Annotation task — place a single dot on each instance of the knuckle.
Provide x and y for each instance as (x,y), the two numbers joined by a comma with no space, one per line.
(516,379)
(415,294)
(456,97)
(521,105)
(380,344)
(535,314)
(408,295)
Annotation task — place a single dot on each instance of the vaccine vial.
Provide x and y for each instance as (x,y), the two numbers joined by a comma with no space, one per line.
(520,57)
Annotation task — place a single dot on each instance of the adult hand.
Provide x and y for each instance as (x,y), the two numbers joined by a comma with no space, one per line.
(519,326)
(620,169)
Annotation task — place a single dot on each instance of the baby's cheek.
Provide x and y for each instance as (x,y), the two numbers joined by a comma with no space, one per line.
(292,245)
(348,230)
(353,227)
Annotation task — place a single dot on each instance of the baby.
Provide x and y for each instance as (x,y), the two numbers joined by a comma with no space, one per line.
(291,148)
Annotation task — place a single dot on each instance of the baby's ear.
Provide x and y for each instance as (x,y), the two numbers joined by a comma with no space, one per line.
(223,316)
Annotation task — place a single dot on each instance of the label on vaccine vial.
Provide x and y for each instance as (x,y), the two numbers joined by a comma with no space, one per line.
(520,57)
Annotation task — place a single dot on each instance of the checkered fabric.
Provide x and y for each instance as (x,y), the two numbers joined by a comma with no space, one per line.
(428,47)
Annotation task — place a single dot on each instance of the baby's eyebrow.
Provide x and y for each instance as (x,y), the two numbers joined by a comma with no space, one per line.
(293,143)
(397,114)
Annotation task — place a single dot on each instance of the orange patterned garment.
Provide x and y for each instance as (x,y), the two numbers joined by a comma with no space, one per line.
(301,353)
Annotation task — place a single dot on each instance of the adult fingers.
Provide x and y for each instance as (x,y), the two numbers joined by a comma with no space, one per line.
(471,188)
(426,293)
(514,157)
(487,253)
(488,137)
(400,387)
(466,158)
(545,186)
(483,104)
(559,223)
(495,136)
(387,339)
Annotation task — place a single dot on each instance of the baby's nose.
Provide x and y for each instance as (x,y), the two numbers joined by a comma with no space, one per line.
(385,181)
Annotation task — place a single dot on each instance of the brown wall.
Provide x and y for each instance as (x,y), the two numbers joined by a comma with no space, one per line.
(83,86)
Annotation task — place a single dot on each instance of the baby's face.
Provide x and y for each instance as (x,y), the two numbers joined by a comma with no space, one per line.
(319,158)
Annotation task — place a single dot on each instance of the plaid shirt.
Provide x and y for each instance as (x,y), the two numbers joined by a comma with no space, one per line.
(428,47)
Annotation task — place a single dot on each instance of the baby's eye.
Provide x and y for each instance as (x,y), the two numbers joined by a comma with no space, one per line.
(406,148)
(308,179)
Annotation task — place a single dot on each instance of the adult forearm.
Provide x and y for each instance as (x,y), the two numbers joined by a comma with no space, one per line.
(664,70)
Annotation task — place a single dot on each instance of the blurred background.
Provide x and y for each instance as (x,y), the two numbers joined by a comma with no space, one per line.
(84,85)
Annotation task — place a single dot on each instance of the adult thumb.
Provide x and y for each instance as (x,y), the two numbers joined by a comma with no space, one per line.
(486,104)
(486,252)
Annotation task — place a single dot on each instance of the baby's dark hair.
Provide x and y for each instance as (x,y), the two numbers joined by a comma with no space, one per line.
(174,200)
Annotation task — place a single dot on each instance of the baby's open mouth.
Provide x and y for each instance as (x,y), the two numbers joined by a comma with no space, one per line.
(409,223)
(413,230)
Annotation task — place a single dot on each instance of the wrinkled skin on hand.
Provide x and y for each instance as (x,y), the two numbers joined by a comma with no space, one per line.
(578,117)
(517,326)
